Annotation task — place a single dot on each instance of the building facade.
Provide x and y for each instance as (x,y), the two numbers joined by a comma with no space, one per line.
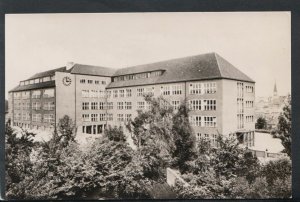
(220,97)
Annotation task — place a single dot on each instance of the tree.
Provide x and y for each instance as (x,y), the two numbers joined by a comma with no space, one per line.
(284,132)
(18,147)
(66,129)
(261,123)
(185,149)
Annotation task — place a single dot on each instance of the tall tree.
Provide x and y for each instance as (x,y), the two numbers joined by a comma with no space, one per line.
(185,149)
(284,132)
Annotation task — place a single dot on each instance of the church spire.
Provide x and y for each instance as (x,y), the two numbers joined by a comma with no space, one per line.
(275,90)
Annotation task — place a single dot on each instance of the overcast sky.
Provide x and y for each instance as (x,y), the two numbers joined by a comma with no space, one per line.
(259,44)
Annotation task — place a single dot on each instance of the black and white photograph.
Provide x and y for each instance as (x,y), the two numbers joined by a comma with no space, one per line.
(148,105)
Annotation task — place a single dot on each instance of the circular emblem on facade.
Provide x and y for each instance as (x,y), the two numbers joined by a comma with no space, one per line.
(67,81)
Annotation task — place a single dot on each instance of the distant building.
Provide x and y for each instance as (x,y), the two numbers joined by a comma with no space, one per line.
(220,97)
(270,108)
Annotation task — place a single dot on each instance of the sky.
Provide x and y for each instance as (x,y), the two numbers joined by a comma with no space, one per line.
(257,43)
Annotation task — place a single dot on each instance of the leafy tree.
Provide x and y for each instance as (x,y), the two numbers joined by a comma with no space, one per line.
(115,133)
(185,150)
(18,147)
(284,132)
(261,123)
(66,129)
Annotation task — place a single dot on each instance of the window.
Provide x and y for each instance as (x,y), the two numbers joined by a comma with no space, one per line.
(85,93)
(175,104)
(127,117)
(128,92)
(249,89)
(140,92)
(128,105)
(36,94)
(45,79)
(195,88)
(97,82)
(90,81)
(94,105)
(25,95)
(121,93)
(249,119)
(209,105)
(22,83)
(86,117)
(110,117)
(240,121)
(249,104)
(240,105)
(94,117)
(82,80)
(198,136)
(102,117)
(213,140)
(120,105)
(110,105)
(36,117)
(210,88)
(36,80)
(48,105)
(101,94)
(103,82)
(141,105)
(48,118)
(101,105)
(177,90)
(36,105)
(195,120)
(85,106)
(210,121)
(27,117)
(115,93)
(108,94)
(48,93)
(52,78)
(94,93)
(240,89)
(195,104)
(166,90)
(120,117)
(31,81)
(150,91)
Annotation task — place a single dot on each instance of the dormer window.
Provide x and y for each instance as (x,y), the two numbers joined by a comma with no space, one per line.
(36,80)
(22,83)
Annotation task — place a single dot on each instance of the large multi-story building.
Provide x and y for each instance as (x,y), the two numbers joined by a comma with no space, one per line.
(220,97)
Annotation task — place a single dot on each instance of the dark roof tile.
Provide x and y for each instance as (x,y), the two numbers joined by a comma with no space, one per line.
(92,70)
(199,67)
(48,73)
(47,84)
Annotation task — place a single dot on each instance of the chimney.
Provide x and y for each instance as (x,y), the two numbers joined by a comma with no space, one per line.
(70,65)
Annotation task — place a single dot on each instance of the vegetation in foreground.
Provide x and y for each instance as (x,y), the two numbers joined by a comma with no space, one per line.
(110,168)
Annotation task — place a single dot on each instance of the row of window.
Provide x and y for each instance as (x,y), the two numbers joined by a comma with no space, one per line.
(47,93)
(93,94)
(144,75)
(38,80)
(206,105)
(89,81)
(212,138)
(47,118)
(35,106)
(203,121)
(203,88)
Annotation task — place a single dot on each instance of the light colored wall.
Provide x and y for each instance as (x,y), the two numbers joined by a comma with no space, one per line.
(229,102)
(65,96)
(80,99)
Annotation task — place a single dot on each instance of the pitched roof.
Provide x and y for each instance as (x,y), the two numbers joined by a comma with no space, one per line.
(199,67)
(47,84)
(48,73)
(92,70)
